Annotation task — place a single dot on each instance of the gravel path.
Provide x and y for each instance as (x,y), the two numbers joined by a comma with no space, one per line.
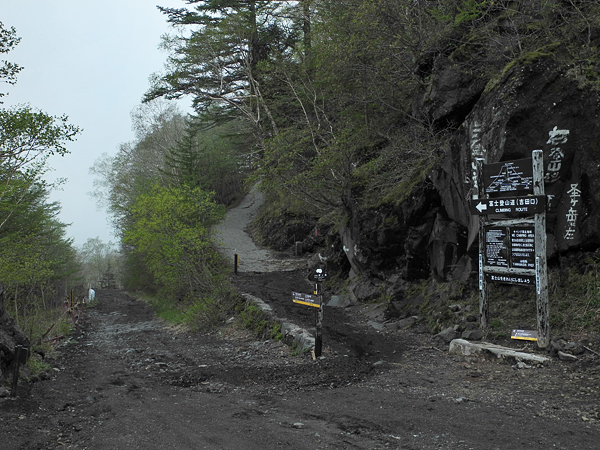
(233,238)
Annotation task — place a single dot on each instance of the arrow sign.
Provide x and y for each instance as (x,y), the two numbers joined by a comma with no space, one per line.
(519,206)
(481,206)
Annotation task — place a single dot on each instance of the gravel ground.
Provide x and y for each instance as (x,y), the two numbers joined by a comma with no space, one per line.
(233,239)
(128,381)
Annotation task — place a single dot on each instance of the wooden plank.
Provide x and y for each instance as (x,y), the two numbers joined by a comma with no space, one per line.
(484,309)
(508,223)
(509,271)
(542,303)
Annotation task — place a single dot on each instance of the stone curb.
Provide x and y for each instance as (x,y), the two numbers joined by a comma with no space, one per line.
(299,335)
(466,348)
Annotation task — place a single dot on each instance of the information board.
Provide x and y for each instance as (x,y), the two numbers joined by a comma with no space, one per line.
(525,335)
(508,177)
(522,247)
(510,247)
(496,246)
(318,275)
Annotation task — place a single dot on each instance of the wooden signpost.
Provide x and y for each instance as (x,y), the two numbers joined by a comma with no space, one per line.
(512,232)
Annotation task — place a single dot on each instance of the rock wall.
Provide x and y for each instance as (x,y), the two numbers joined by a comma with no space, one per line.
(537,103)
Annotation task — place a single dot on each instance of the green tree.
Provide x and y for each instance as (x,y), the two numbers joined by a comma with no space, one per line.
(36,256)
(8,70)
(120,179)
(211,159)
(171,230)
(36,253)
(217,61)
(27,139)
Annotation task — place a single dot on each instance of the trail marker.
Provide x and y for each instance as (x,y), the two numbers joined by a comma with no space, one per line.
(306,299)
(524,335)
(314,300)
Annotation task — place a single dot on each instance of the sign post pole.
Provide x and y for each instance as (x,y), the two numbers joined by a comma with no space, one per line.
(315,300)
(484,310)
(319,321)
(541,270)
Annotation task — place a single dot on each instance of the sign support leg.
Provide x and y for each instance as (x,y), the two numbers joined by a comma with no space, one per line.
(484,310)
(541,270)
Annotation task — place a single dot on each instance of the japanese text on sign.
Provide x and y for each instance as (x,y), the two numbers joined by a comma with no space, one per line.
(512,247)
(522,246)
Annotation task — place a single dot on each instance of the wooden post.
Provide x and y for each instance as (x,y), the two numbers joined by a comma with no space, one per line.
(17,362)
(541,270)
(484,309)
(236,263)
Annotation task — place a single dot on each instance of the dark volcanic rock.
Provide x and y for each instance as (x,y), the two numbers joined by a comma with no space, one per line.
(10,337)
(536,103)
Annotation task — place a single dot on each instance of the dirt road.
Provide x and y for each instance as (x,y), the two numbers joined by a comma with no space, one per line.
(128,382)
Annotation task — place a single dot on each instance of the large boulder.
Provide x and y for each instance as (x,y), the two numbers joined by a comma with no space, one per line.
(10,337)
(540,104)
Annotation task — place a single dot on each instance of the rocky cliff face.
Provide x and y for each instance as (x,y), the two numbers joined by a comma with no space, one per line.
(536,103)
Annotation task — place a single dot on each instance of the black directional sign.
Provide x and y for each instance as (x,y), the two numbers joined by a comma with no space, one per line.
(306,299)
(527,205)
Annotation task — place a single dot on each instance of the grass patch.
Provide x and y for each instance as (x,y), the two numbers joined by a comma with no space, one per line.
(43,326)
(575,298)
(254,319)
(205,313)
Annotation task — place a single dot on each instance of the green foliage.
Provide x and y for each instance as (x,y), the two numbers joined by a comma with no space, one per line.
(172,312)
(35,252)
(140,164)
(171,230)
(26,133)
(210,159)
(254,319)
(8,70)
(217,59)
(37,366)
(36,257)
(461,12)
(276,333)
